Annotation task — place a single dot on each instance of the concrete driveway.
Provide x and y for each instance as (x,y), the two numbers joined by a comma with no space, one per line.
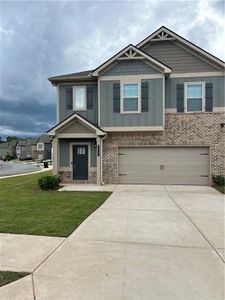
(145,242)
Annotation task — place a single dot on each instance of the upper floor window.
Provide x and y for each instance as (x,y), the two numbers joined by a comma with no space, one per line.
(40,146)
(130,98)
(195,96)
(79,98)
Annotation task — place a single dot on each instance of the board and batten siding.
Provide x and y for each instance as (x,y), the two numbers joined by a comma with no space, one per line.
(177,58)
(64,151)
(90,114)
(130,67)
(218,83)
(154,116)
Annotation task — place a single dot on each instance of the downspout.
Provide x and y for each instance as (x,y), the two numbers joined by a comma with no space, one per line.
(101,145)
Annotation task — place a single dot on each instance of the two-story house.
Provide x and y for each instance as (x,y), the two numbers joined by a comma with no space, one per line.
(153,113)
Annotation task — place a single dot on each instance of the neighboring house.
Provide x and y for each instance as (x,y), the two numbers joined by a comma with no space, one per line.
(21,149)
(8,148)
(4,149)
(31,146)
(153,114)
(12,147)
(44,147)
(27,149)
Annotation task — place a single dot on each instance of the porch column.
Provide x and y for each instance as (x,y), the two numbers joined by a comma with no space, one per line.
(55,161)
(98,150)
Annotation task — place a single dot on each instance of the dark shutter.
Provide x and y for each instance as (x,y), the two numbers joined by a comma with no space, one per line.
(116,97)
(90,96)
(209,96)
(144,96)
(180,98)
(69,98)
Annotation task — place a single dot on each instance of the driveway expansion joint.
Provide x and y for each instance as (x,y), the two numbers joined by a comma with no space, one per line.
(50,254)
(144,244)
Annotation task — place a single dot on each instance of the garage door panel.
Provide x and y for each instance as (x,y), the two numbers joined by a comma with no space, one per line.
(164,165)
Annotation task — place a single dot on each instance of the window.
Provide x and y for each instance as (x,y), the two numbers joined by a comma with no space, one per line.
(40,146)
(195,96)
(130,98)
(81,150)
(79,98)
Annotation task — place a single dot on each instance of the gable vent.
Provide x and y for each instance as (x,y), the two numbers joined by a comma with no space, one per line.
(163,36)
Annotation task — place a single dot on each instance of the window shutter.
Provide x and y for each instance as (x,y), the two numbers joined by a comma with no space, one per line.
(209,96)
(144,96)
(69,98)
(116,97)
(90,97)
(180,98)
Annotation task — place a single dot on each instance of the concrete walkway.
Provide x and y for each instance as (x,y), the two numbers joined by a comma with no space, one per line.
(24,253)
(145,242)
(87,188)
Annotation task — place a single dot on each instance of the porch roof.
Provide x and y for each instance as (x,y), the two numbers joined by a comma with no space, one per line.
(74,117)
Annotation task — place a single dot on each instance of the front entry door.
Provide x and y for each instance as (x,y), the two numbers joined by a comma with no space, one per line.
(80,162)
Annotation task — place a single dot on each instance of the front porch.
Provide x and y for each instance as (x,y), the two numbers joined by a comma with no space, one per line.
(77,160)
(77,151)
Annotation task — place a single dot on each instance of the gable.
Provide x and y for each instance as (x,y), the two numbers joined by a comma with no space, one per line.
(75,127)
(131,53)
(179,59)
(130,67)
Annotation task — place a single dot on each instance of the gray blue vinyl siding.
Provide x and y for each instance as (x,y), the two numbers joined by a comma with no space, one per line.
(218,89)
(91,114)
(130,67)
(64,151)
(154,117)
(179,59)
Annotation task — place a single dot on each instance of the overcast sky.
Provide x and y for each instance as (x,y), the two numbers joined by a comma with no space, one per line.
(40,39)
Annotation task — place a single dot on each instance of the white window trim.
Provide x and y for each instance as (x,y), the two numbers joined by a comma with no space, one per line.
(202,83)
(42,147)
(74,95)
(122,83)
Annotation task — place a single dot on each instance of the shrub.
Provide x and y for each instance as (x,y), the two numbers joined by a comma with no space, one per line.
(219,180)
(8,157)
(49,182)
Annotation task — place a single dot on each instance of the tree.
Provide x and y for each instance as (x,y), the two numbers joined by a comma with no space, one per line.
(11,138)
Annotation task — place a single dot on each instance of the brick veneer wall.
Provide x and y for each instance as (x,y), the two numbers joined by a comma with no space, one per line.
(180,129)
(67,175)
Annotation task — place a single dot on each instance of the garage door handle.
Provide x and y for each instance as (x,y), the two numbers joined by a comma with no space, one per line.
(204,176)
(161,167)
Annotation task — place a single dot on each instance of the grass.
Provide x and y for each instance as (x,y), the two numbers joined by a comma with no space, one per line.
(25,209)
(7,277)
(220,188)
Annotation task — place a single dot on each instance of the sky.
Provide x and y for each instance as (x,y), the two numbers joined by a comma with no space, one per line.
(40,39)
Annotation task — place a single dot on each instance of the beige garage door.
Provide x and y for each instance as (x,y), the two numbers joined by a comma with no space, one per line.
(164,165)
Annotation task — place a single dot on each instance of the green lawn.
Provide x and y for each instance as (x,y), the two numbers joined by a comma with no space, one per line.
(25,209)
(7,277)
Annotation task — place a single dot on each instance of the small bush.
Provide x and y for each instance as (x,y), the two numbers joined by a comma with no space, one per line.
(49,182)
(219,180)
(8,157)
